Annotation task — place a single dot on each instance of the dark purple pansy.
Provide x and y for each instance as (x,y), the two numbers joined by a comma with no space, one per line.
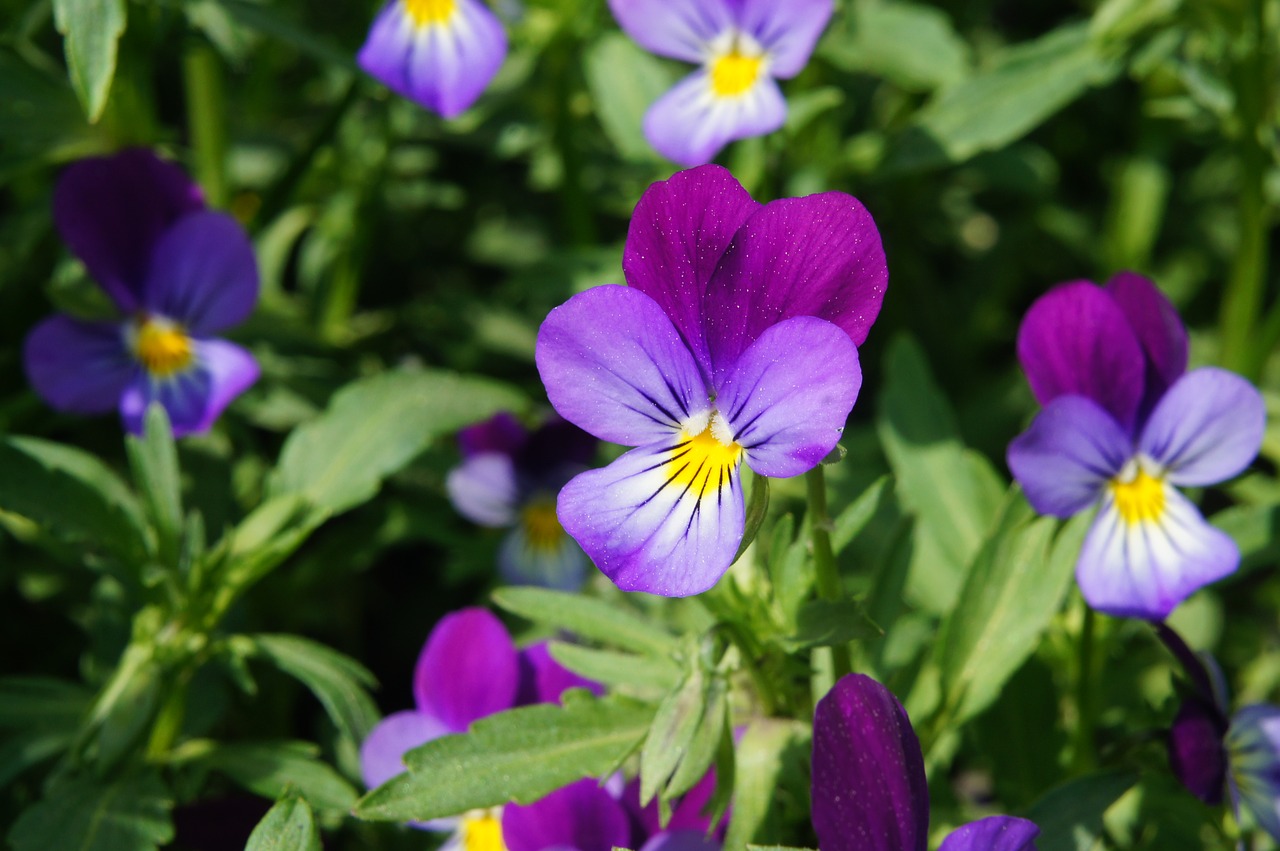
(580,817)
(869,790)
(177,273)
(1123,427)
(735,343)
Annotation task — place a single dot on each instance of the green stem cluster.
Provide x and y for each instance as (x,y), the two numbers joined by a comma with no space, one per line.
(827,575)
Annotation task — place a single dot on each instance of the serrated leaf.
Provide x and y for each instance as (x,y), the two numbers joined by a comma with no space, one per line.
(710,737)
(616,669)
(91,30)
(624,81)
(1070,816)
(587,618)
(339,682)
(673,728)
(131,814)
(287,826)
(270,768)
(519,755)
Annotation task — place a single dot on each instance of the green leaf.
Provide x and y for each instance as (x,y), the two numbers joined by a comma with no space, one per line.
(339,682)
(790,568)
(269,20)
(40,120)
(270,768)
(757,508)
(624,81)
(288,826)
(850,522)
(913,46)
(519,755)
(154,459)
(28,749)
(127,704)
(587,618)
(770,748)
(91,30)
(1256,530)
(828,623)
(41,702)
(616,669)
(131,814)
(713,734)
(1070,815)
(375,426)
(673,728)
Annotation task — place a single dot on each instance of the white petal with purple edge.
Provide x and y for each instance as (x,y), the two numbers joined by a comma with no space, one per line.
(196,396)
(690,124)
(451,63)
(679,29)
(483,489)
(788,31)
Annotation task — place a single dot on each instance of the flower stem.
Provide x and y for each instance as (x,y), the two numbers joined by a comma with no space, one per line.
(1083,753)
(206,109)
(827,576)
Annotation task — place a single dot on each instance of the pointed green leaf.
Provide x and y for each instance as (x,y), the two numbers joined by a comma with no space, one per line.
(339,682)
(288,826)
(616,669)
(154,459)
(91,30)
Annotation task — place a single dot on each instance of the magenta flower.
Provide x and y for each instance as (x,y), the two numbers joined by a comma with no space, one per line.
(869,790)
(438,53)
(734,344)
(509,477)
(688,829)
(742,46)
(1122,427)
(582,816)
(177,272)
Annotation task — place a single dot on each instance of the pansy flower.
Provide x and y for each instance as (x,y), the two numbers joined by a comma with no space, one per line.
(735,344)
(1123,426)
(176,272)
(583,816)
(509,478)
(438,53)
(688,828)
(868,787)
(742,48)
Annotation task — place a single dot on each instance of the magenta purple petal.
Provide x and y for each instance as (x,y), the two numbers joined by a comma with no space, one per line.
(1196,753)
(111,212)
(1207,428)
(581,816)
(787,397)
(681,840)
(994,833)
(1064,460)
(614,365)
(80,367)
(197,396)
(1075,339)
(869,789)
(500,433)
(788,31)
(814,256)
(382,752)
(483,489)
(1158,327)
(203,274)
(678,29)
(689,124)
(544,680)
(467,669)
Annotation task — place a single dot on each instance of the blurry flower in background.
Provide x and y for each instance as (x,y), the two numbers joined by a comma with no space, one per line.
(176,272)
(583,816)
(438,53)
(509,478)
(1123,424)
(742,46)
(688,829)
(735,343)
(869,789)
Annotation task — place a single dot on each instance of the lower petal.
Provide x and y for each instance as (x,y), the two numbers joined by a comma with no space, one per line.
(681,840)
(690,123)
(196,396)
(581,816)
(483,489)
(80,367)
(994,833)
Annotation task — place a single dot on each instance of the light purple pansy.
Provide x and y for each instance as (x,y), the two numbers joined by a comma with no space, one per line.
(868,788)
(736,342)
(509,478)
(438,53)
(177,273)
(1123,426)
(742,48)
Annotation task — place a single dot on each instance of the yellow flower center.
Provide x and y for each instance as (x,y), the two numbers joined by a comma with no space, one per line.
(541,526)
(705,462)
(162,347)
(1139,499)
(482,832)
(427,12)
(734,73)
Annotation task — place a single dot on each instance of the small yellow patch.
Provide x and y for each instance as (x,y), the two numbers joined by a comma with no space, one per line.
(541,525)
(702,463)
(162,347)
(428,12)
(734,73)
(482,832)
(1140,499)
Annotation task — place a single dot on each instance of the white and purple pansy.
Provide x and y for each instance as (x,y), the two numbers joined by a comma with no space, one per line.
(734,344)
(1123,426)
(177,272)
(742,48)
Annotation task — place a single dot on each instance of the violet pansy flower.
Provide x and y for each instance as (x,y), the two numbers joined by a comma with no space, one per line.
(509,477)
(735,343)
(869,789)
(438,53)
(1123,426)
(742,46)
(583,816)
(177,272)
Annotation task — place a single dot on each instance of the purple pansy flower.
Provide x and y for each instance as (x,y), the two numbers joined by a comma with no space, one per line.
(869,788)
(583,816)
(177,272)
(509,477)
(736,342)
(688,829)
(1124,424)
(438,53)
(742,46)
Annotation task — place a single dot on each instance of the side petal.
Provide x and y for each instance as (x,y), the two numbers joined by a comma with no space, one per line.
(614,365)
(787,398)
(544,680)
(1207,428)
(690,124)
(195,397)
(382,752)
(788,31)
(80,367)
(679,29)
(203,274)
(869,789)
(1075,339)
(467,669)
(678,233)
(534,555)
(814,256)
(994,833)
(1159,328)
(581,816)
(111,212)
(483,489)
(1065,458)
(1144,569)
(656,520)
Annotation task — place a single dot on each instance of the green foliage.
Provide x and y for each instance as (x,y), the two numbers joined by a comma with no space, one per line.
(624,81)
(270,769)
(288,826)
(587,618)
(338,682)
(91,29)
(913,45)
(1070,816)
(85,814)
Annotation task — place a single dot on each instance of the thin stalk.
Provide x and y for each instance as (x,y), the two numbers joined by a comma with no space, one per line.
(206,112)
(827,576)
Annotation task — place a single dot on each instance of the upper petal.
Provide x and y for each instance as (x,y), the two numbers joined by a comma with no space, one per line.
(1075,339)
(500,433)
(1207,428)
(203,273)
(580,816)
(788,31)
(1159,329)
(680,29)
(111,212)
(382,751)
(814,256)
(691,123)
(869,789)
(787,398)
(544,680)
(614,365)
(1065,458)
(195,397)
(81,367)
(467,669)
(483,489)
(994,833)
(678,233)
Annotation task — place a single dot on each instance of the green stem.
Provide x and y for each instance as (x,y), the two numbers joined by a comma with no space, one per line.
(1083,758)
(206,109)
(827,576)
